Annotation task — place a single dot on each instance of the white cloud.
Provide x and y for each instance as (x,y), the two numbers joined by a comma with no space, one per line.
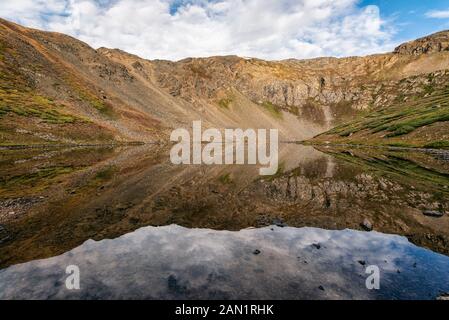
(175,29)
(438,14)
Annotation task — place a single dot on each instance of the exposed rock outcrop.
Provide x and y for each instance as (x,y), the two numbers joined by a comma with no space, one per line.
(437,42)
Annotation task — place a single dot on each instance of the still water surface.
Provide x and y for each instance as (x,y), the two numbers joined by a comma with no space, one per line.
(140,227)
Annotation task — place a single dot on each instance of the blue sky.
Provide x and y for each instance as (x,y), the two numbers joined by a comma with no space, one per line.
(409,16)
(268,29)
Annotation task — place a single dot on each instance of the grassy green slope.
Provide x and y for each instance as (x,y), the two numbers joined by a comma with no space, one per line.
(420,121)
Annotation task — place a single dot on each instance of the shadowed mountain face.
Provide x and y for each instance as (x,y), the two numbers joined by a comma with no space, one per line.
(56,89)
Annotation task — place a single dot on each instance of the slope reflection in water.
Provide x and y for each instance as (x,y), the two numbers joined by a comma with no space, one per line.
(52,201)
(178,263)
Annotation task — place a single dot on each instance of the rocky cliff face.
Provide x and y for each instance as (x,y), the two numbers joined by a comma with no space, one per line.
(66,92)
(437,42)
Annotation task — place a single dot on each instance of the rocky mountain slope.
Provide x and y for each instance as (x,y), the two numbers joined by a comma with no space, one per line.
(417,118)
(417,113)
(55,89)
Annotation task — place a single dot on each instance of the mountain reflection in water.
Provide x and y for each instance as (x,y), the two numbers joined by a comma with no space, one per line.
(61,198)
(173,262)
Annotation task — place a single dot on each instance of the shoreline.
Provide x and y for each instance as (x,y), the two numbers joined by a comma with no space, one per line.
(368,146)
(74,145)
(140,143)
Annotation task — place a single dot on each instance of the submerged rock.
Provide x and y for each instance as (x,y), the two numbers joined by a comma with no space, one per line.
(444,296)
(2,240)
(367,225)
(432,213)
(4,236)
(174,286)
(279,223)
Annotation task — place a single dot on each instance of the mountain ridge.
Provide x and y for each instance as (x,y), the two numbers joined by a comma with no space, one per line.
(64,91)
